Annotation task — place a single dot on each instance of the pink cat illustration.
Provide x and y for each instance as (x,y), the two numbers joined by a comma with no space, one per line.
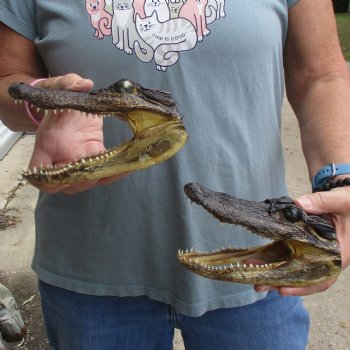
(194,11)
(139,8)
(101,20)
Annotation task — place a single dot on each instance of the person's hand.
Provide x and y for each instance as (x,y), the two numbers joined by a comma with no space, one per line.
(335,204)
(67,136)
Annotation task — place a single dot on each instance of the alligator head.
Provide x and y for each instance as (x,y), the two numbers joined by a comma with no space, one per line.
(304,250)
(151,114)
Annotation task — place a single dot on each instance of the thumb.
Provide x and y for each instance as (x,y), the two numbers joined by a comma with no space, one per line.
(318,203)
(69,81)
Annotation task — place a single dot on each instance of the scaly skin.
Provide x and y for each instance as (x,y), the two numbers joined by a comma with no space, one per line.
(152,115)
(304,250)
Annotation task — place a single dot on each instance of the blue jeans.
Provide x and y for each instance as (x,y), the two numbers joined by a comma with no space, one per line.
(83,322)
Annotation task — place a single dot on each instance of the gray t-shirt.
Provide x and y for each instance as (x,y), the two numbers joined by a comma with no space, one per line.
(222,61)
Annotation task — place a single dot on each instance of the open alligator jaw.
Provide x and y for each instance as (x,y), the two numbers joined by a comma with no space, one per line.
(304,250)
(151,114)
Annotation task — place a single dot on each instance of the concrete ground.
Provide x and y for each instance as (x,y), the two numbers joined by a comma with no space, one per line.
(330,310)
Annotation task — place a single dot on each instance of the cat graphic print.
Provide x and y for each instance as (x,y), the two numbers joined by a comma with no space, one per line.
(157,30)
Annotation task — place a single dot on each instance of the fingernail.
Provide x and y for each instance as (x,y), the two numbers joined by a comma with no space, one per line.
(305,202)
(79,82)
(83,84)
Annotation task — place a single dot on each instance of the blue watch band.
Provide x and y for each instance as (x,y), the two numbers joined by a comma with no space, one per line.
(328,172)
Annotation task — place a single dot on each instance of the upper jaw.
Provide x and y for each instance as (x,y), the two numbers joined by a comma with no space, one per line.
(107,101)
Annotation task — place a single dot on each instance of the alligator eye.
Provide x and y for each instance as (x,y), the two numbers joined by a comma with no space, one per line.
(125,86)
(293,214)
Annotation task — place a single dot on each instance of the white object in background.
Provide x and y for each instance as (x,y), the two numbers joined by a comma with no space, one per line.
(7,139)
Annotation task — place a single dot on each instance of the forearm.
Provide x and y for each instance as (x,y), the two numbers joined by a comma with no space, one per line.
(324,118)
(318,83)
(14,115)
(19,62)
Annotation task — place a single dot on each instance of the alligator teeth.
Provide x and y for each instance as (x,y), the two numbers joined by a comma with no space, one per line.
(196,260)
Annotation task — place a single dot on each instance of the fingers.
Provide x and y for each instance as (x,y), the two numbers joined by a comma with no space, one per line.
(80,187)
(108,180)
(293,291)
(301,292)
(70,81)
(83,186)
(297,291)
(52,189)
(336,201)
(66,189)
(336,204)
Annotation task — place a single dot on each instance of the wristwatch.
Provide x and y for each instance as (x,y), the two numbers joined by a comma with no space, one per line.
(328,172)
